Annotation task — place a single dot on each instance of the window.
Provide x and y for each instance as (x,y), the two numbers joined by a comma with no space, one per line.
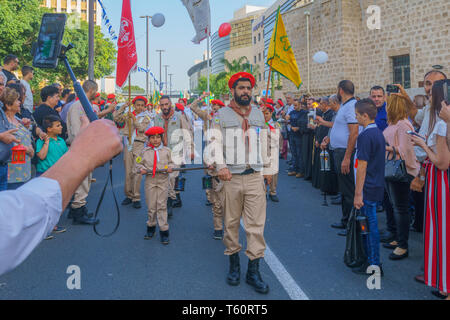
(259,36)
(259,57)
(255,59)
(260,77)
(254,40)
(402,71)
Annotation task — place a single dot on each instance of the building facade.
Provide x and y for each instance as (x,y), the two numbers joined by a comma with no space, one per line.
(74,6)
(218,48)
(413,37)
(199,70)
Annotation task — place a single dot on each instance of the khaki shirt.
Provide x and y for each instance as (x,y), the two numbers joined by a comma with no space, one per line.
(74,115)
(146,162)
(121,115)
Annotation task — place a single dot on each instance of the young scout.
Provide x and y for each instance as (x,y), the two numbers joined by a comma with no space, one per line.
(273,133)
(156,157)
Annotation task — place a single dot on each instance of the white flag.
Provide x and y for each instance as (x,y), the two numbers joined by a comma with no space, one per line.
(200,14)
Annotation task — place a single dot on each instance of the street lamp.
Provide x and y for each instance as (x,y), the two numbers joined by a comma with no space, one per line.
(166,66)
(170,75)
(160,68)
(158,21)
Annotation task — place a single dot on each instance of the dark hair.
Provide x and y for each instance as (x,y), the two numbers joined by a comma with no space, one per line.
(27,70)
(71,97)
(57,85)
(9,96)
(367,106)
(165,97)
(20,90)
(437,96)
(239,80)
(435,71)
(49,121)
(347,86)
(47,92)
(376,88)
(65,93)
(9,58)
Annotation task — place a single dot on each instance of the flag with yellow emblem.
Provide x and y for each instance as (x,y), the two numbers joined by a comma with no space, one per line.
(281,57)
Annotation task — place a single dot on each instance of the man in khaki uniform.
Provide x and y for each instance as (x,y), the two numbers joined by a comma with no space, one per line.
(214,195)
(243,168)
(174,124)
(75,115)
(152,158)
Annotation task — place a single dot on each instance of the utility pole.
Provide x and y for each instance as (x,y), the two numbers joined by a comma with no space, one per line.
(166,66)
(91,74)
(147,65)
(160,68)
(170,75)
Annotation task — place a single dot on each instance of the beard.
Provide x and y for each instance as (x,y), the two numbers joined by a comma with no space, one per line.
(166,111)
(240,101)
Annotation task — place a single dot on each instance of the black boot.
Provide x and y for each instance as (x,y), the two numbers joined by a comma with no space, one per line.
(127,201)
(164,237)
(80,216)
(254,277)
(234,275)
(150,233)
(177,203)
(137,205)
(169,207)
(70,214)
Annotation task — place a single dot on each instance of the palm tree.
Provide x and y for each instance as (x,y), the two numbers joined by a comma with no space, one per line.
(237,65)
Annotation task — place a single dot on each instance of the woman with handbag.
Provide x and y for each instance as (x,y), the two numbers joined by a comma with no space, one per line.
(437,197)
(402,167)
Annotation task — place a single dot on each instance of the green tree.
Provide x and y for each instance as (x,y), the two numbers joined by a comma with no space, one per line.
(135,89)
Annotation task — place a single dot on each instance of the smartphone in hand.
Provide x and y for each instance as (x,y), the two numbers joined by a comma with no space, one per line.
(392,88)
(415,134)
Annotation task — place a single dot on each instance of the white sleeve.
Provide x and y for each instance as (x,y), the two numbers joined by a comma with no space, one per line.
(27,215)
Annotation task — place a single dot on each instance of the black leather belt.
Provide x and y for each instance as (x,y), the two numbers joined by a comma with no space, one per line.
(247,172)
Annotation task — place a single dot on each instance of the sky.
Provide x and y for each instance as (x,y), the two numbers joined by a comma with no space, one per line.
(174,37)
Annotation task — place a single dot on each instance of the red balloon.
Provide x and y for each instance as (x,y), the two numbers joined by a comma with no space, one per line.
(224,30)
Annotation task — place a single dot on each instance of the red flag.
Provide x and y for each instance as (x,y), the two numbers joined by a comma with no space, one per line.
(126,55)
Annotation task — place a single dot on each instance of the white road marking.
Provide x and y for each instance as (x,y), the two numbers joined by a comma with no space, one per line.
(292,288)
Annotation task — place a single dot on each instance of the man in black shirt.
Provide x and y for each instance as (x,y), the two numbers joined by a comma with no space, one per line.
(50,99)
(10,64)
(296,147)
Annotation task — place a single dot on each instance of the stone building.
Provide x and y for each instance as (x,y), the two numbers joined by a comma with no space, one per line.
(413,37)
(71,6)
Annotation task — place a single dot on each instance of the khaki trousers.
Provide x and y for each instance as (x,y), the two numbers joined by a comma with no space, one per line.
(245,197)
(172,177)
(136,177)
(156,193)
(82,192)
(217,196)
(273,185)
(129,165)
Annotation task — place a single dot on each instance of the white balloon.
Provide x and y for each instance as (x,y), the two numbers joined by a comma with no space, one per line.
(158,20)
(320,57)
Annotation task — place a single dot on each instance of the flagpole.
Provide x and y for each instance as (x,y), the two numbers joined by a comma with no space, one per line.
(129,108)
(209,72)
(268,81)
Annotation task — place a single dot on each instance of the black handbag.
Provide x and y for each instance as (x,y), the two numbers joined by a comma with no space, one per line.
(395,170)
(355,254)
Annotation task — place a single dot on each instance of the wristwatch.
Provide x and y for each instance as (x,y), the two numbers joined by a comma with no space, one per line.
(422,178)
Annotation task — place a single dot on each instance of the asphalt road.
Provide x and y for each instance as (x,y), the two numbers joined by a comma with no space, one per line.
(306,254)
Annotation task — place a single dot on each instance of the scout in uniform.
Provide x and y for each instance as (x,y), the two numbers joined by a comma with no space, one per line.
(172,121)
(244,191)
(214,195)
(156,157)
(274,132)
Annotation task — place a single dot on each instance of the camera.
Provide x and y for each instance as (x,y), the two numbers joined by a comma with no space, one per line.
(392,88)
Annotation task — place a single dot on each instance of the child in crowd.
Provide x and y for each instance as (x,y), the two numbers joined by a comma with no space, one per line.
(273,133)
(156,157)
(50,151)
(371,150)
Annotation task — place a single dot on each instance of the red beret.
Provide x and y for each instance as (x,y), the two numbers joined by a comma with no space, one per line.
(111,96)
(269,107)
(140,98)
(268,101)
(102,102)
(154,131)
(218,102)
(179,106)
(280,102)
(240,75)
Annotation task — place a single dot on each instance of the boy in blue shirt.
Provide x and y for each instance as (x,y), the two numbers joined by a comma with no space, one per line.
(369,190)
(50,151)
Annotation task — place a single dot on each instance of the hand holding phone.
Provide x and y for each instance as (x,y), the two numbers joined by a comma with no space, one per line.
(391,88)
(415,134)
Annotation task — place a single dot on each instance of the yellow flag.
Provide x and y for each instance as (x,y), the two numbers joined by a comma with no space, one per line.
(281,56)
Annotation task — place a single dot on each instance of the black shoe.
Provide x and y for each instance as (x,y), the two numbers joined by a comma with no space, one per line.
(380,209)
(342,233)
(150,233)
(234,275)
(394,256)
(208,203)
(339,225)
(218,235)
(387,237)
(127,201)
(390,246)
(164,237)
(436,293)
(70,214)
(80,216)
(363,270)
(169,208)
(274,198)
(254,277)
(137,205)
(177,202)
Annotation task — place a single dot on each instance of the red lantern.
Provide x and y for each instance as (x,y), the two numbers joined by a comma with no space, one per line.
(18,155)
(224,30)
